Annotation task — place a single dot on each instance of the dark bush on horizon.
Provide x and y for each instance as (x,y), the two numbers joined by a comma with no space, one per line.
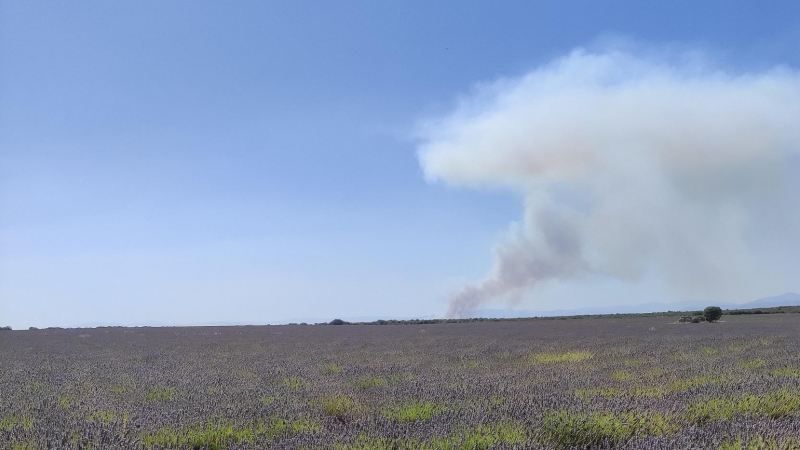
(5,328)
(712,313)
(739,312)
(337,322)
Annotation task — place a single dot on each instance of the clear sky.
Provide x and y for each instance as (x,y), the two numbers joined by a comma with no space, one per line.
(189,162)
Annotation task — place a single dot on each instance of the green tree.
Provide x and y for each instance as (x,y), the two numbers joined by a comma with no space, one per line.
(712,313)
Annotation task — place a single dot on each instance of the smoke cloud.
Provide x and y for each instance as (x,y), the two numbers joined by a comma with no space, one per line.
(627,165)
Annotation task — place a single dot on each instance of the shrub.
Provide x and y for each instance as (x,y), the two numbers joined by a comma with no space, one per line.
(5,328)
(337,322)
(712,313)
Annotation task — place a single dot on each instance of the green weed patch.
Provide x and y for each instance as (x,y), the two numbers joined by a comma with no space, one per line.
(774,406)
(621,375)
(293,383)
(338,406)
(786,372)
(481,437)
(760,443)
(330,369)
(703,380)
(160,394)
(753,363)
(566,357)
(565,429)
(216,436)
(371,382)
(9,422)
(412,412)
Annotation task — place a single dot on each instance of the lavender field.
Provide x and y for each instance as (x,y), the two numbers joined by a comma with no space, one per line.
(630,383)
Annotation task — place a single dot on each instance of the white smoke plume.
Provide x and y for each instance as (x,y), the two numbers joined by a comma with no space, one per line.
(627,164)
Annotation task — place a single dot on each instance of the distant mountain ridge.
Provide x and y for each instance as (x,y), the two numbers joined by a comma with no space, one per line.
(787,299)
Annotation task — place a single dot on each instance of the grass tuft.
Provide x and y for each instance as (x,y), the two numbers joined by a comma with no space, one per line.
(160,394)
(589,394)
(412,412)
(703,380)
(330,369)
(338,406)
(621,375)
(753,363)
(550,358)
(786,372)
(293,383)
(65,401)
(371,382)
(649,391)
(103,417)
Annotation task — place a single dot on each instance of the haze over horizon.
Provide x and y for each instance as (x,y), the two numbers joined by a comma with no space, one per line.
(204,162)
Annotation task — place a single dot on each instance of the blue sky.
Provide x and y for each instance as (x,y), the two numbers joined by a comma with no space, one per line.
(192,162)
